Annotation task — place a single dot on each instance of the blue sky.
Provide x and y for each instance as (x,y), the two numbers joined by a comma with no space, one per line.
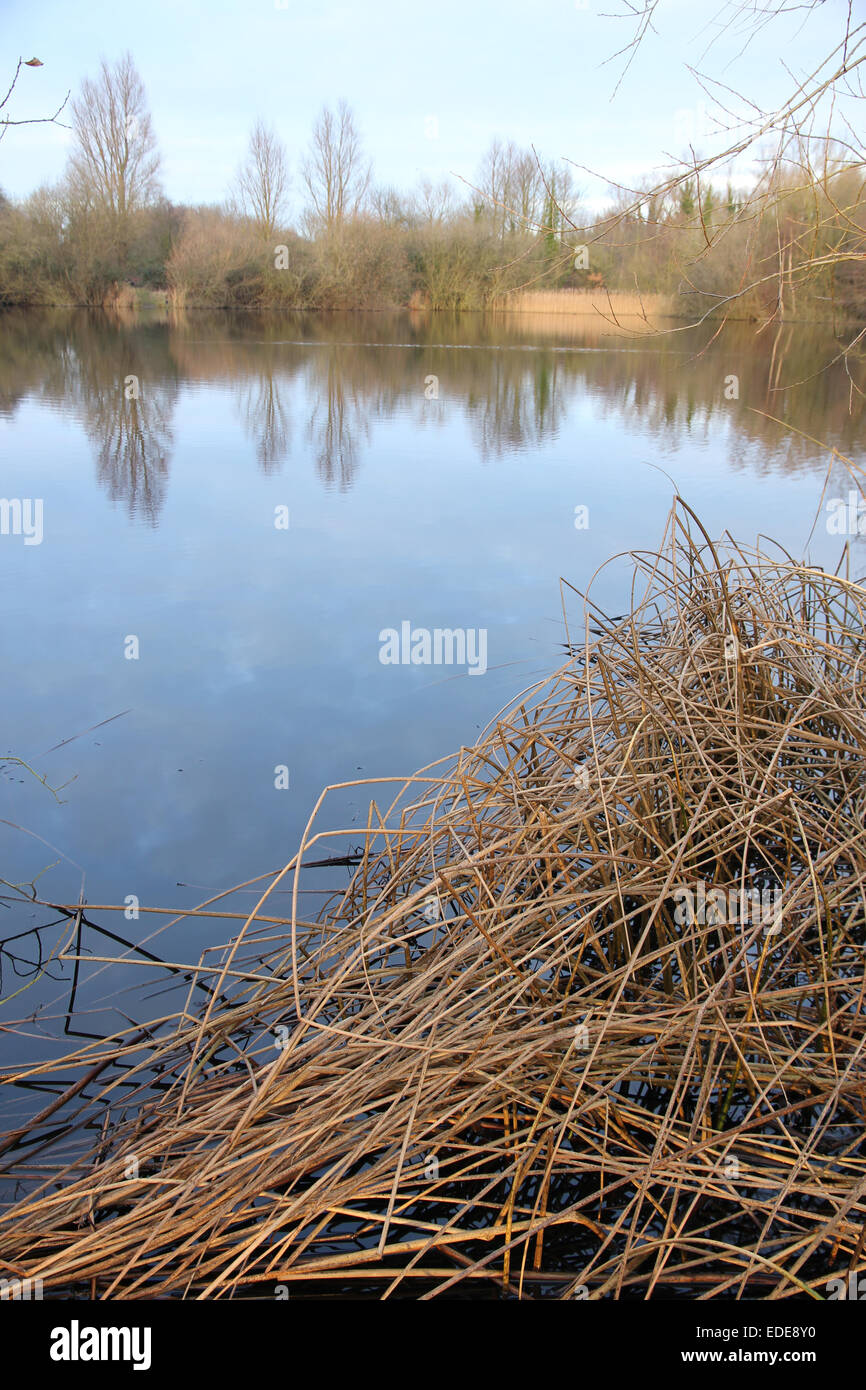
(539,72)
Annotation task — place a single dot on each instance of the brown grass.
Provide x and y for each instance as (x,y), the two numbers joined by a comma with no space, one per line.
(608,306)
(438,1116)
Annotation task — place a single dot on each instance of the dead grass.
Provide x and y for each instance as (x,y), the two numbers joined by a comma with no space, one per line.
(506,1059)
(607,306)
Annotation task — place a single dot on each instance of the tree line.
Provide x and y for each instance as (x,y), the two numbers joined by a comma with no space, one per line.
(791,245)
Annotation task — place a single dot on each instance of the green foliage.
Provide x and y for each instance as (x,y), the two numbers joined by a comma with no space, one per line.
(687,199)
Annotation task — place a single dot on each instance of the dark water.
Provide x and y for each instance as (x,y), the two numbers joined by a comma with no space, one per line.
(259,647)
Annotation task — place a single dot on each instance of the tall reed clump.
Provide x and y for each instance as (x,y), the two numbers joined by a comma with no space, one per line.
(520,1054)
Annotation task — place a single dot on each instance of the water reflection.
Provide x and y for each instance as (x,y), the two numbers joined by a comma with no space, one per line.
(265,415)
(130,429)
(339,421)
(520,409)
(516,379)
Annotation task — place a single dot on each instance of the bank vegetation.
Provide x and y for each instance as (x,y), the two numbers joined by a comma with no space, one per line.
(789,246)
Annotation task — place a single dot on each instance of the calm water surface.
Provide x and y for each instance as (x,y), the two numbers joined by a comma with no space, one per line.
(258,646)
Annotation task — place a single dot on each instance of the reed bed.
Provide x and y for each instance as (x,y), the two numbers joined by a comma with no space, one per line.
(513,1058)
(607,306)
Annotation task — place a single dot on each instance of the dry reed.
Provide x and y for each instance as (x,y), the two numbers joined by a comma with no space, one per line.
(511,1061)
(607,306)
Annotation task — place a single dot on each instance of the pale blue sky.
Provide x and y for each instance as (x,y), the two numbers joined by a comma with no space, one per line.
(532,71)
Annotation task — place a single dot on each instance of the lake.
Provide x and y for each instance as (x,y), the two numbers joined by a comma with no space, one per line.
(212,521)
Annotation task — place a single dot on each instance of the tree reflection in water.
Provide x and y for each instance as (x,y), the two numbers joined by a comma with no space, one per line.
(516,380)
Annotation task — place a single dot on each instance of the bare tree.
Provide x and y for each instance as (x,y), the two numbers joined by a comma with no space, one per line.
(433,203)
(519,193)
(527,193)
(336,171)
(495,180)
(115,162)
(390,207)
(562,200)
(6,121)
(263,180)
